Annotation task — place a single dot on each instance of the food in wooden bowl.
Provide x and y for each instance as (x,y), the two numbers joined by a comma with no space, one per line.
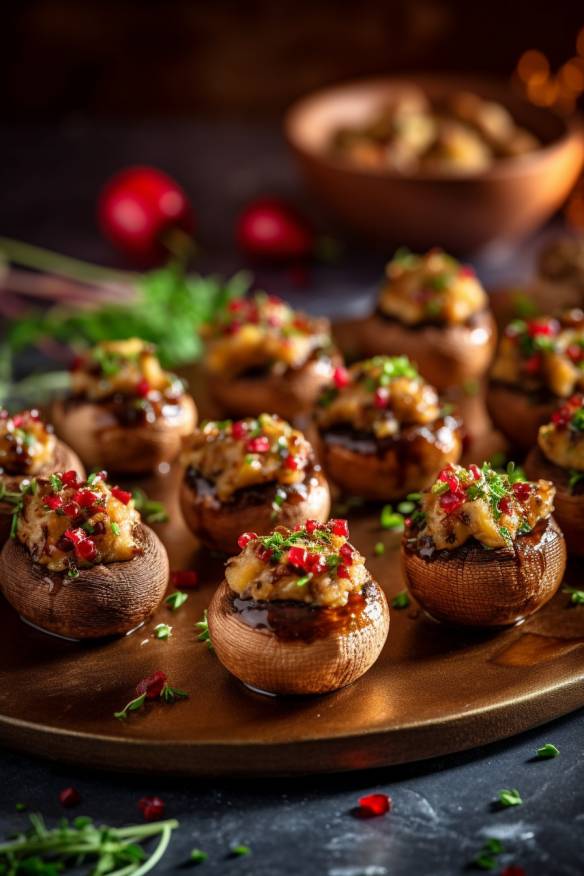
(298,612)
(559,457)
(539,362)
(434,310)
(28,448)
(125,413)
(81,564)
(264,356)
(250,474)
(489,197)
(382,430)
(483,550)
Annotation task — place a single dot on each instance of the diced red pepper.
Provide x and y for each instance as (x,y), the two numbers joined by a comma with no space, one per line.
(121,495)
(448,476)
(575,353)
(86,498)
(261,444)
(311,526)
(341,377)
(542,327)
(339,527)
(245,538)
(374,804)
(69,478)
(69,797)
(505,505)
(343,572)
(381,397)
(239,429)
(475,471)
(71,509)
(347,552)
(152,685)
(151,808)
(533,364)
(466,271)
(292,462)
(75,536)
(184,578)
(52,502)
(451,502)
(298,556)
(86,549)
(263,553)
(143,388)
(315,563)
(522,491)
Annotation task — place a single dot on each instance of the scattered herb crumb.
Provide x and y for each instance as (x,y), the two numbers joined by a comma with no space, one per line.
(547,751)
(151,510)
(176,599)
(390,519)
(20,807)
(240,851)
(162,631)
(379,549)
(203,629)
(197,856)
(576,596)
(510,798)
(401,600)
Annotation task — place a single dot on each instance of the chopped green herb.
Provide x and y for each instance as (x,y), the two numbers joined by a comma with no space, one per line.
(547,751)
(203,628)
(197,856)
(487,857)
(390,519)
(379,549)
(170,694)
(401,600)
(73,572)
(303,581)
(176,599)
(510,798)
(56,483)
(151,510)
(576,596)
(133,706)
(574,478)
(406,507)
(115,527)
(20,807)
(162,631)
(240,851)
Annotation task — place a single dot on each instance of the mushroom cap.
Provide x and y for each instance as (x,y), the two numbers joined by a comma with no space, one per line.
(389,470)
(289,394)
(518,414)
(104,600)
(294,648)
(445,355)
(472,586)
(101,441)
(568,506)
(219,524)
(64,459)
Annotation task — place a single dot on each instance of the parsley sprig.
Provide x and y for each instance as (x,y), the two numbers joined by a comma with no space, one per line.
(168,694)
(202,626)
(151,510)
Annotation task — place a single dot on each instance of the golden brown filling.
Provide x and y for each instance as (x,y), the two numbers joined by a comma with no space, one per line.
(127,368)
(27,444)
(430,288)
(543,353)
(265,333)
(480,503)
(378,396)
(314,564)
(67,525)
(410,135)
(245,453)
(562,439)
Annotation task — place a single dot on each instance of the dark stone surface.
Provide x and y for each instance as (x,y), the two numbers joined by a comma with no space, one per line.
(443,809)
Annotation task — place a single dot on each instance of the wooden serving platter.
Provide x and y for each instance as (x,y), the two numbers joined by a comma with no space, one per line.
(433,691)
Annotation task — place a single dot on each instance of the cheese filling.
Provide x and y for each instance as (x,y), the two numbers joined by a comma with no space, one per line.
(562,439)
(27,445)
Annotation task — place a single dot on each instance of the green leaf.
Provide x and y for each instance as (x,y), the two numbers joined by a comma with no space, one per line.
(401,600)
(176,599)
(389,519)
(162,631)
(197,856)
(510,798)
(547,751)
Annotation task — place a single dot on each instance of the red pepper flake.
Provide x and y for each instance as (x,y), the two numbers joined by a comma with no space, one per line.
(76,536)
(475,471)
(69,797)
(152,685)
(315,564)
(121,495)
(69,478)
(311,526)
(264,554)
(347,553)
(339,526)
(343,572)
(373,805)
(143,388)
(522,491)
(505,506)
(261,444)
(71,509)
(52,502)
(298,557)
(239,429)
(451,502)
(86,498)
(184,578)
(292,462)
(341,377)
(381,398)
(245,538)
(152,808)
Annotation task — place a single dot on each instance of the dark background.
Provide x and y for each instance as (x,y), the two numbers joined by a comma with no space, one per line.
(133,58)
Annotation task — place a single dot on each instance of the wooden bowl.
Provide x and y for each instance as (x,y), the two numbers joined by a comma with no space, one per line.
(387,471)
(293,648)
(518,414)
(104,600)
(471,586)
(445,355)
(64,459)
(101,441)
(461,213)
(287,395)
(568,506)
(219,524)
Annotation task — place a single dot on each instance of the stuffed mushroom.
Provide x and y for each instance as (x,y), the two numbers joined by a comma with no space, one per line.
(81,564)
(483,550)
(125,413)
(298,612)
(250,474)
(434,310)
(264,356)
(382,430)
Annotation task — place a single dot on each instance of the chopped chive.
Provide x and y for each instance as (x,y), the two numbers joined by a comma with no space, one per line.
(197,856)
(510,797)
(115,528)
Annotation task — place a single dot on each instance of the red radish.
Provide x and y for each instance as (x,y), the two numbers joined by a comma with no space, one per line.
(138,208)
(273,230)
